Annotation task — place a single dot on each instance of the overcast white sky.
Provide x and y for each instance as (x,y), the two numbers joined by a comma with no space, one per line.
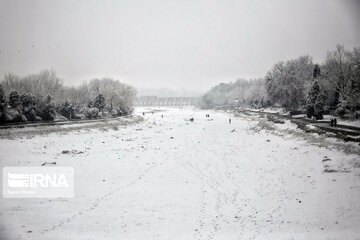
(187,44)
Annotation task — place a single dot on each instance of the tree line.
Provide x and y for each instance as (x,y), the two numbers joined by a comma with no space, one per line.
(44,97)
(299,85)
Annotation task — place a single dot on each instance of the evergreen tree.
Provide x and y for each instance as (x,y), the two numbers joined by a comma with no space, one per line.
(67,110)
(28,103)
(99,102)
(315,101)
(3,104)
(319,106)
(14,99)
(47,109)
(27,100)
(317,71)
(341,107)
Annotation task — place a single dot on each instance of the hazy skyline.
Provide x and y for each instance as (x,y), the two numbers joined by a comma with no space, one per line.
(172,44)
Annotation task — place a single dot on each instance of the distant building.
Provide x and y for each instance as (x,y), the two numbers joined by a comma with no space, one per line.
(166,101)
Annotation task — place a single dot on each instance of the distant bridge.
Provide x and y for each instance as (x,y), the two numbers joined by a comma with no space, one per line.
(166,101)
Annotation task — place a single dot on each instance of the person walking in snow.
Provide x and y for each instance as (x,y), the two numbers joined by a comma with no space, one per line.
(229,120)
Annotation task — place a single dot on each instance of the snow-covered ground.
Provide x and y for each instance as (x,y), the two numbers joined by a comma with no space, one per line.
(168,178)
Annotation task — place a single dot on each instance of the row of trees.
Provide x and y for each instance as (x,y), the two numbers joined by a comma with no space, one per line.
(299,84)
(251,92)
(333,85)
(43,96)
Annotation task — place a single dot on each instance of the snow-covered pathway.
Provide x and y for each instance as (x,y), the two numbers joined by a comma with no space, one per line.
(167,178)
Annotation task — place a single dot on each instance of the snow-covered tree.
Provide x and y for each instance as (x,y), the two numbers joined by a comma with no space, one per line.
(342,74)
(319,106)
(286,80)
(14,99)
(41,84)
(46,109)
(67,110)
(338,71)
(116,95)
(28,103)
(99,102)
(317,72)
(3,104)
(315,101)
(354,90)
(238,92)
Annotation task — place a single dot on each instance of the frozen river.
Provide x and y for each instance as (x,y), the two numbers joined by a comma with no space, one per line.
(168,178)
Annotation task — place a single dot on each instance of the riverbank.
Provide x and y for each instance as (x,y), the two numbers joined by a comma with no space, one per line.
(167,177)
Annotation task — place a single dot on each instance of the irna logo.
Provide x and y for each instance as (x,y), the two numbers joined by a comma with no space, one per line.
(16,180)
(38,182)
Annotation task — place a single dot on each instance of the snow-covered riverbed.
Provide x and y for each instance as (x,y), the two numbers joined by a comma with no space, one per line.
(167,178)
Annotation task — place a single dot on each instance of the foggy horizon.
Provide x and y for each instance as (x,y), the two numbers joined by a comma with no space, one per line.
(191,45)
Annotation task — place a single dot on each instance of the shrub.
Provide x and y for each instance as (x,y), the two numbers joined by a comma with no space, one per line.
(46,109)
(67,110)
(28,103)
(99,102)
(90,112)
(13,115)
(77,116)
